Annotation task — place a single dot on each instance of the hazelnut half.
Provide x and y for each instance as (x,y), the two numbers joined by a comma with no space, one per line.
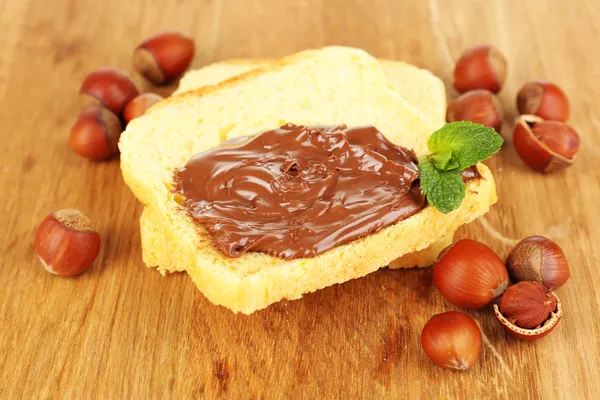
(95,134)
(478,106)
(66,242)
(545,146)
(108,87)
(482,67)
(544,99)
(138,106)
(528,311)
(164,56)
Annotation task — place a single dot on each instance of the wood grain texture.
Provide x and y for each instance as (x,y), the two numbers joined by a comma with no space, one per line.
(123,331)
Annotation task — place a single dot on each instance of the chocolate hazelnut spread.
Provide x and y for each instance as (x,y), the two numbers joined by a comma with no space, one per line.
(299,191)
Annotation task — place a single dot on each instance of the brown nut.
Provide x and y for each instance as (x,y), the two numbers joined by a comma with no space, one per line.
(108,87)
(482,67)
(527,304)
(544,99)
(469,274)
(138,106)
(452,340)
(66,242)
(545,146)
(538,259)
(547,299)
(164,56)
(95,134)
(478,106)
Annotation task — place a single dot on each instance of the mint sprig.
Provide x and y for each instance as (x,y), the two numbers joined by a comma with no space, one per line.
(445,190)
(454,147)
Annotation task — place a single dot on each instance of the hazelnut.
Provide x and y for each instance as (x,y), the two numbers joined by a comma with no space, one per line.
(528,310)
(138,106)
(66,242)
(544,99)
(527,304)
(108,87)
(545,146)
(538,259)
(452,340)
(164,56)
(482,67)
(469,274)
(95,134)
(478,106)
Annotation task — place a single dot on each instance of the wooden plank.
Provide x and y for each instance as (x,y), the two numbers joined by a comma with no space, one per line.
(123,331)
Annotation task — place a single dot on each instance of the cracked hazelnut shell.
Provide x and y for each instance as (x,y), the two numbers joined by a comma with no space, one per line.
(544,328)
(545,146)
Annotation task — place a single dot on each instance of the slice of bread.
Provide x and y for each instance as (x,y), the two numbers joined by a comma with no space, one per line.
(420,87)
(330,86)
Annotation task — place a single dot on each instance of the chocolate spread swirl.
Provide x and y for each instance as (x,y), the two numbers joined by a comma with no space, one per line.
(298,191)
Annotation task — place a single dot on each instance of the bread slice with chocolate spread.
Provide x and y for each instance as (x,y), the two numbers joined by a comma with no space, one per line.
(334,85)
(421,88)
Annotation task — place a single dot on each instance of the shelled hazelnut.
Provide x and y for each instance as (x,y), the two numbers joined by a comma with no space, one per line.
(528,310)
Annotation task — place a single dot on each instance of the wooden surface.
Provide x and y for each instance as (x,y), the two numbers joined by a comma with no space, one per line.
(123,331)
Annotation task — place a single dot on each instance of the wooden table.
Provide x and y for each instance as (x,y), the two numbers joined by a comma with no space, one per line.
(124,331)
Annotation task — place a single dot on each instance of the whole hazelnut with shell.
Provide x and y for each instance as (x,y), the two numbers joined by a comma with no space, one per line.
(538,259)
(138,106)
(164,57)
(96,134)
(477,106)
(108,87)
(469,274)
(544,99)
(66,242)
(452,340)
(481,67)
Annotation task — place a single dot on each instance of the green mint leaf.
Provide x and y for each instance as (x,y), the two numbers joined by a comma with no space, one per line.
(444,161)
(468,143)
(445,190)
